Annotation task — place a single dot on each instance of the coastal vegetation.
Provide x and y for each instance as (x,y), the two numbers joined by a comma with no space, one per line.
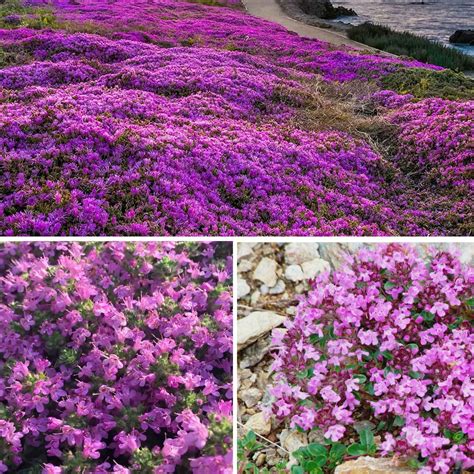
(408,44)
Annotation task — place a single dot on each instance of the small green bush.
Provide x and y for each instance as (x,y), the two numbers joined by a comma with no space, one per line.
(408,44)
(29,17)
(422,83)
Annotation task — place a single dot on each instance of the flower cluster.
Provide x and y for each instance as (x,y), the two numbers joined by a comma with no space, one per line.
(116,357)
(176,118)
(387,343)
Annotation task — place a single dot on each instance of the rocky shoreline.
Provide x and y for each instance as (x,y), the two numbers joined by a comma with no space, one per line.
(293,9)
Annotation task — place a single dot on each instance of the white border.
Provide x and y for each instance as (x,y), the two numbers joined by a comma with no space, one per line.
(284,239)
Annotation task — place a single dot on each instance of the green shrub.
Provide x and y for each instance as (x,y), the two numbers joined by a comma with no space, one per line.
(422,83)
(29,17)
(408,44)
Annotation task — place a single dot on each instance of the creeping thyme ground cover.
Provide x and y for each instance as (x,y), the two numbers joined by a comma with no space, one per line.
(379,360)
(167,117)
(115,358)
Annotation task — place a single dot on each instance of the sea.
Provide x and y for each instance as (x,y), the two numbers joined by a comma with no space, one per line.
(434,19)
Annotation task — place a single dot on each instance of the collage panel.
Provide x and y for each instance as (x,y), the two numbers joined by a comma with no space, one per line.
(355,358)
(116,357)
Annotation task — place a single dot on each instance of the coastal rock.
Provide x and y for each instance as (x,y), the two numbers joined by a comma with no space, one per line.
(463,37)
(259,424)
(299,252)
(255,325)
(266,272)
(324,9)
(369,465)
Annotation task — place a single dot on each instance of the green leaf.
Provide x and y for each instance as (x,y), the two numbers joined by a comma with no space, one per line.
(297,470)
(337,452)
(415,375)
(249,440)
(459,437)
(367,440)
(415,463)
(399,421)
(356,450)
(316,449)
(305,374)
(362,378)
(315,463)
(370,389)
(427,316)
(388,355)
(470,303)
(389,285)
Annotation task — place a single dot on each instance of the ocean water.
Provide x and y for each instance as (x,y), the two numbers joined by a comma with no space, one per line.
(435,19)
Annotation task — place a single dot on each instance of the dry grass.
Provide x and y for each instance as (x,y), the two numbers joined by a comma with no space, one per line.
(347,108)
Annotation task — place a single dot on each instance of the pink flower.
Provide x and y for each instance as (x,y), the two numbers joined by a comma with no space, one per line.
(330,395)
(368,337)
(335,432)
(439,308)
(91,448)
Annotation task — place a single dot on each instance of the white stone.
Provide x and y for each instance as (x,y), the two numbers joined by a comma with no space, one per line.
(255,325)
(294,273)
(266,272)
(244,250)
(299,252)
(255,297)
(243,289)
(369,465)
(244,266)
(251,396)
(314,267)
(278,288)
(292,440)
(259,424)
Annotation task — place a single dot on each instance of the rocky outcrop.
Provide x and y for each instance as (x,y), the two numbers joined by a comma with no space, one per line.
(462,37)
(324,9)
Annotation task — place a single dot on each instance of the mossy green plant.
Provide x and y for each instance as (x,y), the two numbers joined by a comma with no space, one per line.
(423,83)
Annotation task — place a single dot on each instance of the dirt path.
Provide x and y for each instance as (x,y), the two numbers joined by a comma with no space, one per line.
(270,10)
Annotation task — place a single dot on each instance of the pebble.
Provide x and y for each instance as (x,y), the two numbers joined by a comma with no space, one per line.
(244,266)
(367,464)
(300,252)
(314,267)
(278,288)
(259,424)
(243,289)
(266,272)
(255,325)
(251,397)
(294,273)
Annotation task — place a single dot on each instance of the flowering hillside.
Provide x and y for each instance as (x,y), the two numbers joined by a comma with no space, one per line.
(116,357)
(164,117)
